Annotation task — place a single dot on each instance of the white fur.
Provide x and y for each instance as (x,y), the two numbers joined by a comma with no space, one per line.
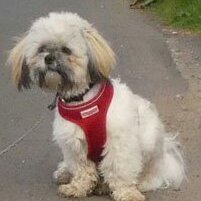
(57,28)
(137,150)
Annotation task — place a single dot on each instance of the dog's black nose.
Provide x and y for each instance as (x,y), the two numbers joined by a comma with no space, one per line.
(49,59)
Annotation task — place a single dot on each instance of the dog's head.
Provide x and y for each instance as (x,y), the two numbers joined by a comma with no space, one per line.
(61,52)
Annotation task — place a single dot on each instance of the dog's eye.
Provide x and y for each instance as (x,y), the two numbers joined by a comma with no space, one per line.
(66,50)
(42,49)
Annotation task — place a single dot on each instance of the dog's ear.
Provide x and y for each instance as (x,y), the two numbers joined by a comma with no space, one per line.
(20,70)
(101,56)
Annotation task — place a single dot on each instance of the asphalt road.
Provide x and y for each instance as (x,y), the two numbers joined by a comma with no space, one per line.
(144,63)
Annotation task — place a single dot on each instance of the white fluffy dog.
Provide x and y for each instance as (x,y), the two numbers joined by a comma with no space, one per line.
(120,142)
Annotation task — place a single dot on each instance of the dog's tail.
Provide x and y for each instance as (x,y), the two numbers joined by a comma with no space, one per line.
(173,171)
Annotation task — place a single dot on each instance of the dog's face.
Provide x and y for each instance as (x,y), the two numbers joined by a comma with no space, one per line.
(61,52)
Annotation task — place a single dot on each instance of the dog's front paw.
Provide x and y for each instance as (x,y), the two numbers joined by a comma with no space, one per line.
(61,175)
(70,190)
(128,194)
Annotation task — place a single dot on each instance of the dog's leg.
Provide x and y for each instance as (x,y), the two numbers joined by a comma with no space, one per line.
(121,168)
(83,181)
(165,170)
(84,174)
(74,148)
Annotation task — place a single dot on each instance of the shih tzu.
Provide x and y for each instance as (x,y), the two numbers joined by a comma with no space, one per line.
(105,132)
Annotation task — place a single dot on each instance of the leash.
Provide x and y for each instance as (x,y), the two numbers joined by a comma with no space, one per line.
(54,103)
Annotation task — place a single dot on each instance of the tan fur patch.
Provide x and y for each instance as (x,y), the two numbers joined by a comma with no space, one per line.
(16,59)
(101,54)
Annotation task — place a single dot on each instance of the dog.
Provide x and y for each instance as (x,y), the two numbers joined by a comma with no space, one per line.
(105,132)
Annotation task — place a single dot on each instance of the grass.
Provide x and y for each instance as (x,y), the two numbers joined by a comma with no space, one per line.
(184,14)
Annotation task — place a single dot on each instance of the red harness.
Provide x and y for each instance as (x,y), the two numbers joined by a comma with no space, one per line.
(91,117)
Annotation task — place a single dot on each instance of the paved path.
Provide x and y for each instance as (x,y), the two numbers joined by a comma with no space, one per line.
(144,63)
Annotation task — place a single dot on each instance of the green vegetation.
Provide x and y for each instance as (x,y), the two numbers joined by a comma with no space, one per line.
(180,13)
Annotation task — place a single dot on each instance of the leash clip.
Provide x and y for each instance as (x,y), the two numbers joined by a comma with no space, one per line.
(54,103)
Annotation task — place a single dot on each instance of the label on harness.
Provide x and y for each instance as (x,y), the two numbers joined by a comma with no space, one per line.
(89,112)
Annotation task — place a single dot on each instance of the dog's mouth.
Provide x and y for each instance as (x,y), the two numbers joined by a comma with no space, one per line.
(54,79)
